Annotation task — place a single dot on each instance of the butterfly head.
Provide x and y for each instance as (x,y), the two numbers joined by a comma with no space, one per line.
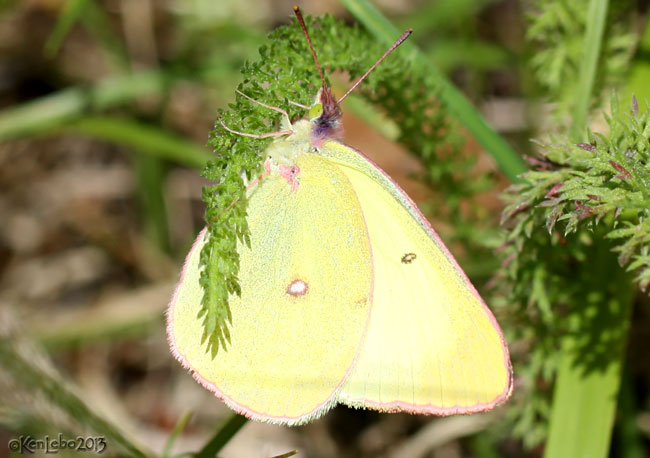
(325,117)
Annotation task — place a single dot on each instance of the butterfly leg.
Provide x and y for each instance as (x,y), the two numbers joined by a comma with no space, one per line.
(267,171)
(285,122)
(304,107)
(246,134)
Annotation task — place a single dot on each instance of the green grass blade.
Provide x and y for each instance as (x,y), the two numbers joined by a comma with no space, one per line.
(223,435)
(72,11)
(596,21)
(141,137)
(176,432)
(458,105)
(150,176)
(286,455)
(40,114)
(97,23)
(61,107)
(131,314)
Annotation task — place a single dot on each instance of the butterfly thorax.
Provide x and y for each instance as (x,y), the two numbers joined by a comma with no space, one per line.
(308,136)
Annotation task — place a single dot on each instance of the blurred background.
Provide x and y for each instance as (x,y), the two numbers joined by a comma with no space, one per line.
(105,110)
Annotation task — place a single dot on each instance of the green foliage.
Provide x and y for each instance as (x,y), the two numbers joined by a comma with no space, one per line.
(557,32)
(229,427)
(639,73)
(567,298)
(286,72)
(580,212)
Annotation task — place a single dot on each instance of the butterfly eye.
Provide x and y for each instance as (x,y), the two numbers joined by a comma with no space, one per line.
(315,111)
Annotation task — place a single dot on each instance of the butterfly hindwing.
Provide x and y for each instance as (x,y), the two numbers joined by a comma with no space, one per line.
(432,345)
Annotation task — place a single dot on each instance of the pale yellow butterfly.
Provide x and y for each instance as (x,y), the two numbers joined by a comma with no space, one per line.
(347,294)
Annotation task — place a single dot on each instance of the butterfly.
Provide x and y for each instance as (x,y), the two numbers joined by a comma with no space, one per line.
(348,295)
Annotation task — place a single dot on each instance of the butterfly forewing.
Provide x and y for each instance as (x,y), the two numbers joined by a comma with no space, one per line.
(304,307)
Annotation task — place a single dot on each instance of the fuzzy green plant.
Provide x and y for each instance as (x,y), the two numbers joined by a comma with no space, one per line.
(561,284)
(578,236)
(558,34)
(286,72)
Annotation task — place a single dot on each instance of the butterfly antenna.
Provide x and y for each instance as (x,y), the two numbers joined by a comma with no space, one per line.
(399,41)
(296,10)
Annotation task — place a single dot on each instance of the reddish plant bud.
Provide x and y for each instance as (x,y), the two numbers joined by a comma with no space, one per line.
(621,169)
(583,210)
(540,164)
(553,191)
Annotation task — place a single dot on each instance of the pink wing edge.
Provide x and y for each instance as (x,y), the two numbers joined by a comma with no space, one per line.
(428,409)
(242,409)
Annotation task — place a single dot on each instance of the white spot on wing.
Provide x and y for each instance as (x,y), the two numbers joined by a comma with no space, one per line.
(297,288)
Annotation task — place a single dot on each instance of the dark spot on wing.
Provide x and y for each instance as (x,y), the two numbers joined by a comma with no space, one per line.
(361,302)
(408,258)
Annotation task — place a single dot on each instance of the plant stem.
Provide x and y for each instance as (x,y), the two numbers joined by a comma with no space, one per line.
(596,21)
(228,429)
(591,358)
